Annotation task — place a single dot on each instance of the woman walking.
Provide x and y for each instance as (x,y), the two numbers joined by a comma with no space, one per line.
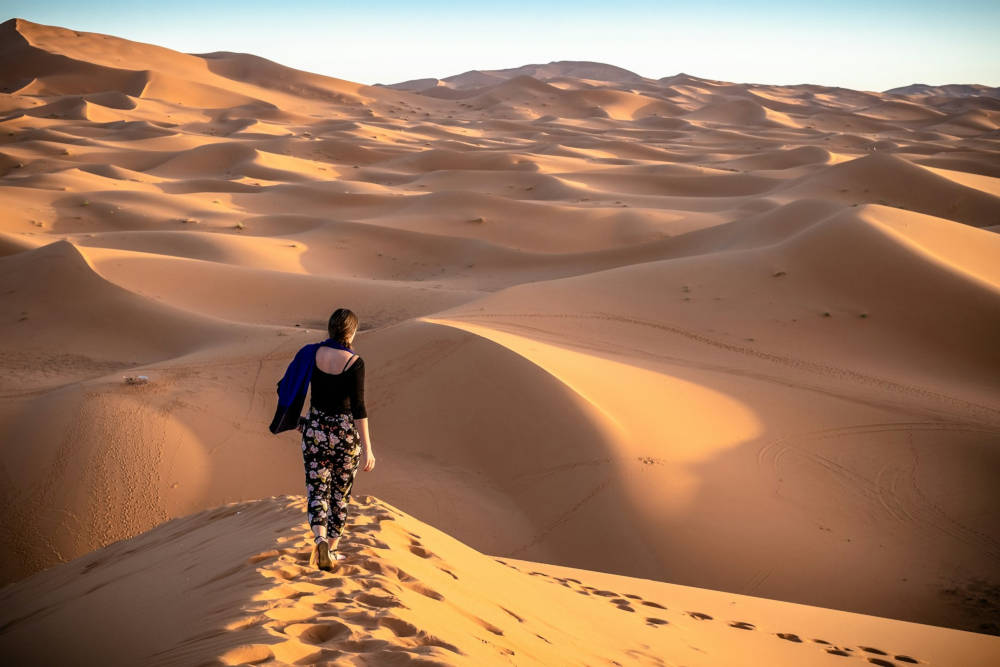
(335,434)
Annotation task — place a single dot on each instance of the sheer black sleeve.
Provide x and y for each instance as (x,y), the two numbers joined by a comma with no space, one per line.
(358,410)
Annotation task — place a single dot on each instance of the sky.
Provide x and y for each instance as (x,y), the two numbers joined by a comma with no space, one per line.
(873,45)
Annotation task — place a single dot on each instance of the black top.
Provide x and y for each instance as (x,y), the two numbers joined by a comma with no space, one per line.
(340,392)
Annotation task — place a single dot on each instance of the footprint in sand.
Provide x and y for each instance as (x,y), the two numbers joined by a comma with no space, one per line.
(418,550)
(379,601)
(247,622)
(885,661)
(266,555)
(650,603)
(606,594)
(318,633)
(424,590)
(290,572)
(488,626)
(743,625)
(369,541)
(399,627)
(249,653)
(519,619)
(700,616)
(293,613)
(282,592)
(789,636)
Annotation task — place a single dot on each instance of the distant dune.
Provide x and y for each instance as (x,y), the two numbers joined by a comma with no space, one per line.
(660,371)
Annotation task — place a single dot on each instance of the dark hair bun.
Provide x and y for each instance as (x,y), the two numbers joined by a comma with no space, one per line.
(343,324)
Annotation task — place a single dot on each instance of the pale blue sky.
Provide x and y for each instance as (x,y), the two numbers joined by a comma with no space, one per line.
(871,45)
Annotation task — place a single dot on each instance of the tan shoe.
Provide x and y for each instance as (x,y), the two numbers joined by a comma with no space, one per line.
(323,560)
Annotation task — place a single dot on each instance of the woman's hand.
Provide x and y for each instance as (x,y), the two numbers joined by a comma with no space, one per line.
(368,461)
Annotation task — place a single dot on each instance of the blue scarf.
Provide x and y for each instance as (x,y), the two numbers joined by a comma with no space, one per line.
(294,384)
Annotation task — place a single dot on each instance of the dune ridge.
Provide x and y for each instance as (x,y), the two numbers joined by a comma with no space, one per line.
(403,595)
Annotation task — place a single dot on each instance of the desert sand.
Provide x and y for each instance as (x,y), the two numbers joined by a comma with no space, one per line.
(233,585)
(660,371)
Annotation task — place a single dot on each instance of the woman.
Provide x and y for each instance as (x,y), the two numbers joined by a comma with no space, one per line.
(334,431)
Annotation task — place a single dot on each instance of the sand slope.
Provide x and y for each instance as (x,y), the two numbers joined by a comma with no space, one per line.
(730,336)
(234,586)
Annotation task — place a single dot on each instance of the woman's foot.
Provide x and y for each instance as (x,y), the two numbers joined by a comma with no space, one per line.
(334,543)
(323,559)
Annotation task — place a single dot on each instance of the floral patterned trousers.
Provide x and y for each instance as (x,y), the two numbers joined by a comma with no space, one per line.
(331,451)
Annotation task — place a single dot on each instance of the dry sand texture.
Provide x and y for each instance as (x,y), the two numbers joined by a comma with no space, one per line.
(729,336)
(233,586)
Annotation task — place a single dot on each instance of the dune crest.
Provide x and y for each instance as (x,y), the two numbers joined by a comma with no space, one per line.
(235,587)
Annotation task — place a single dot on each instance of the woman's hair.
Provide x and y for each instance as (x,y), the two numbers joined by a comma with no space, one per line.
(343,324)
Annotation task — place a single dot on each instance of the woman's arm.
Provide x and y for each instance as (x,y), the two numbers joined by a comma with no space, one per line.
(362,425)
(358,409)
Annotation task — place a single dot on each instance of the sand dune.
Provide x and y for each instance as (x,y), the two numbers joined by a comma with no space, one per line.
(883,370)
(65,306)
(859,262)
(893,181)
(235,587)
(695,339)
(206,287)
